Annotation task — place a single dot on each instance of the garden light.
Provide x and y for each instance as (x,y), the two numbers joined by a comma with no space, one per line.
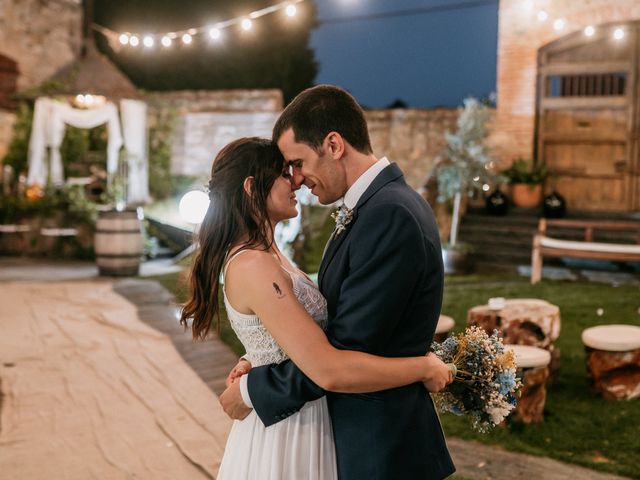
(193,206)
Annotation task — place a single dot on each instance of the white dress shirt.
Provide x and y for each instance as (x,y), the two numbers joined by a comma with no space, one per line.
(350,200)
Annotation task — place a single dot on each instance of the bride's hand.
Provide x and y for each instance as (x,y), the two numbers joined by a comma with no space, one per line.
(439,374)
(242,368)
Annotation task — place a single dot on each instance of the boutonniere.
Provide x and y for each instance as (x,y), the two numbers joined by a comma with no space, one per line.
(342,217)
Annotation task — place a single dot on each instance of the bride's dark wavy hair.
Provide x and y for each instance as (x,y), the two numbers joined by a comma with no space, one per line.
(232,215)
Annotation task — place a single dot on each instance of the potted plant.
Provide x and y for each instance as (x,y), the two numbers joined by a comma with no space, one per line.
(526,182)
(464,169)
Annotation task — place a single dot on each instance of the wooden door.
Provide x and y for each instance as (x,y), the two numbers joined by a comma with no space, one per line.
(8,82)
(586,119)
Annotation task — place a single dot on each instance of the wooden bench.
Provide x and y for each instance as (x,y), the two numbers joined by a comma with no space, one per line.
(544,245)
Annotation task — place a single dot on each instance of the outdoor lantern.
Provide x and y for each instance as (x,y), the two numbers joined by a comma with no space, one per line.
(88,100)
(193,206)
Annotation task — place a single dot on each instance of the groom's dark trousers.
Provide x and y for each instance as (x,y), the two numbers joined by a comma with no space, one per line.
(383,280)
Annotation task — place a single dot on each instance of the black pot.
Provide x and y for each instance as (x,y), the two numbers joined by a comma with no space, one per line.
(554,205)
(456,261)
(497,203)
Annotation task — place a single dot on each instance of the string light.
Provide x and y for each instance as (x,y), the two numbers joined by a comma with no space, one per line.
(559,24)
(588,31)
(187,35)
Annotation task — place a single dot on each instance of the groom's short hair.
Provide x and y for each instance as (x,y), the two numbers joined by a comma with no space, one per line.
(317,111)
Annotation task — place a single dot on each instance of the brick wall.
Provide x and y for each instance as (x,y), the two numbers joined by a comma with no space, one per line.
(520,36)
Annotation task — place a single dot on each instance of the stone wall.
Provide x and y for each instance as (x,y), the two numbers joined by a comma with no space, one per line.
(42,36)
(520,37)
(412,138)
(207,120)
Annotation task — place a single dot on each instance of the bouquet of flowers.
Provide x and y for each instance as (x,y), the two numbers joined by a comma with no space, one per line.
(484,377)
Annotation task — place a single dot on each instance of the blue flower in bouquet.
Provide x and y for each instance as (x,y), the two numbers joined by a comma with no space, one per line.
(485,384)
(507,381)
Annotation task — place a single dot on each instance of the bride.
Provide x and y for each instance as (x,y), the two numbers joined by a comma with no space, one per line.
(277,313)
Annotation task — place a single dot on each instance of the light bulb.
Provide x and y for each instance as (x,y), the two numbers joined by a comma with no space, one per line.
(246,24)
(187,39)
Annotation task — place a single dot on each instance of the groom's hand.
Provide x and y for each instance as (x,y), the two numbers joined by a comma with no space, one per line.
(439,374)
(242,368)
(232,403)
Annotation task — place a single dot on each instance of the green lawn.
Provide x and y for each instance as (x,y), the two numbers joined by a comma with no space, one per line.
(578,427)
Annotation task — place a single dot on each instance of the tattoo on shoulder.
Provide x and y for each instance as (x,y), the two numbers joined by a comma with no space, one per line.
(278,290)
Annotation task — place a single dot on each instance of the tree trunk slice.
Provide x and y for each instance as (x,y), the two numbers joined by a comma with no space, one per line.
(614,375)
(524,321)
(530,408)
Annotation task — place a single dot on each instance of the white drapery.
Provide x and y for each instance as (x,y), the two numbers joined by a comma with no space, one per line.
(49,123)
(134,128)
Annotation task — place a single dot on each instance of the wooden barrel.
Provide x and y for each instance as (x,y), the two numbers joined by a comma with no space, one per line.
(118,243)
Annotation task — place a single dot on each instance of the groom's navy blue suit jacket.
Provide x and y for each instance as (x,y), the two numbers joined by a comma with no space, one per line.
(383,280)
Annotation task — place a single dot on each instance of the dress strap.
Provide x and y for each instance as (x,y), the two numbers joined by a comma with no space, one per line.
(231,259)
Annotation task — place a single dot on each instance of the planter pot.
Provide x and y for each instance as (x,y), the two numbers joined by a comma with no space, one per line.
(554,205)
(525,195)
(497,203)
(456,261)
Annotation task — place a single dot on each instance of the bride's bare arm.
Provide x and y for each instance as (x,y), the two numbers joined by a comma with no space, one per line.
(258,283)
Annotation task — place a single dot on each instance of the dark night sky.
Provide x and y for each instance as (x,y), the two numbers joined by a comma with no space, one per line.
(431,59)
(442,52)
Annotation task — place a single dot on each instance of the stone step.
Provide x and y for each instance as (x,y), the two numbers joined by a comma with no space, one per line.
(506,241)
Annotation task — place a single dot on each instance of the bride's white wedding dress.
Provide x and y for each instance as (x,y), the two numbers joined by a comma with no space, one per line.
(300,446)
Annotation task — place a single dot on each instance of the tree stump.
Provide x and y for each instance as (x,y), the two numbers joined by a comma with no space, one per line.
(613,360)
(445,324)
(523,321)
(533,371)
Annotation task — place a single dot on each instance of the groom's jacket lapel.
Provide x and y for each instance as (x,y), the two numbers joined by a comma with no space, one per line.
(389,174)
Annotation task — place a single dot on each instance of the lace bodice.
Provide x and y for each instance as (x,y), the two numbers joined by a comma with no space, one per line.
(261,347)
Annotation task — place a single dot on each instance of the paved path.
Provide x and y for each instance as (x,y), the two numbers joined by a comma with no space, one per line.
(89,391)
(212,360)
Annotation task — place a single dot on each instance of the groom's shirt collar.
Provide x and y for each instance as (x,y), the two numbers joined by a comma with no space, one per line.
(362,183)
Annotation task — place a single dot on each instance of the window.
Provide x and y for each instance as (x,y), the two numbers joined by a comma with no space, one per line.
(589,85)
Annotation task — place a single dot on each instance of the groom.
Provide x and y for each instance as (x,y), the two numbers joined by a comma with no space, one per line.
(382,276)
